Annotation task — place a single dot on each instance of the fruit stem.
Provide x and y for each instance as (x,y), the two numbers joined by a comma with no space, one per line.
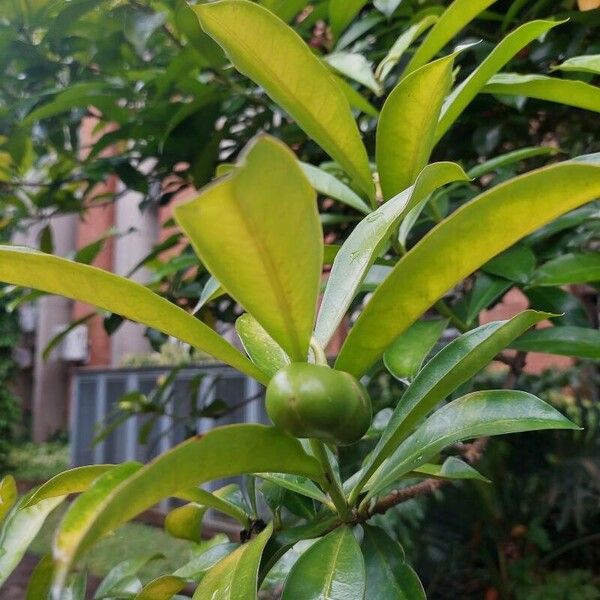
(318,353)
(330,483)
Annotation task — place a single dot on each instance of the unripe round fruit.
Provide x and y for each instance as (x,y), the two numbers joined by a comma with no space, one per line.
(315,401)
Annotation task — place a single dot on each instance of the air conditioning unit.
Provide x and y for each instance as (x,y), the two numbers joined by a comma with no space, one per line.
(74,346)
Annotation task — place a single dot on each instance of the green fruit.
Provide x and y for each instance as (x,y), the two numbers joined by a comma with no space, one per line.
(314,401)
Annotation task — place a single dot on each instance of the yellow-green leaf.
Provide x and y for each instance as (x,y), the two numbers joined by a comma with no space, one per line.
(8,495)
(221,453)
(161,588)
(274,56)
(257,231)
(460,97)
(563,91)
(468,238)
(360,250)
(341,13)
(407,125)
(236,576)
(459,14)
(28,268)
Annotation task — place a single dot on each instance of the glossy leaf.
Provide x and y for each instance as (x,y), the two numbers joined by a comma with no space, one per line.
(502,53)
(185,522)
(508,158)
(262,349)
(406,354)
(290,73)
(581,342)
(236,576)
(355,98)
(356,67)
(19,530)
(257,231)
(516,264)
(332,568)
(212,289)
(459,14)
(456,248)
(486,291)
(121,576)
(240,448)
(358,29)
(402,44)
(218,500)
(328,185)
(202,562)
(484,413)
(567,269)
(551,89)
(587,214)
(161,588)
(55,275)
(68,482)
(407,125)
(8,495)
(452,468)
(341,13)
(299,485)
(388,576)
(456,363)
(570,309)
(360,250)
(589,63)
(285,9)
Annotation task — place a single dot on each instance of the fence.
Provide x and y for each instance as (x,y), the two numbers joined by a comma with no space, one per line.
(96,395)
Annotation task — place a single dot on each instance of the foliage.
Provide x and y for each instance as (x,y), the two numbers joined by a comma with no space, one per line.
(257,231)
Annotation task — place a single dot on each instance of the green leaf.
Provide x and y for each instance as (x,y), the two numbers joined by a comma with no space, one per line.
(407,125)
(342,12)
(507,159)
(389,577)
(120,576)
(161,588)
(459,14)
(262,349)
(18,531)
(40,580)
(402,44)
(452,468)
(55,275)
(68,482)
(290,73)
(589,63)
(236,576)
(221,453)
(485,413)
(328,185)
(355,98)
(294,483)
(406,354)
(332,568)
(285,9)
(486,291)
(508,47)
(8,495)
(201,563)
(212,289)
(582,342)
(57,339)
(80,518)
(217,500)
(489,224)
(541,87)
(257,231)
(516,264)
(567,269)
(359,251)
(587,214)
(456,363)
(570,309)
(356,67)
